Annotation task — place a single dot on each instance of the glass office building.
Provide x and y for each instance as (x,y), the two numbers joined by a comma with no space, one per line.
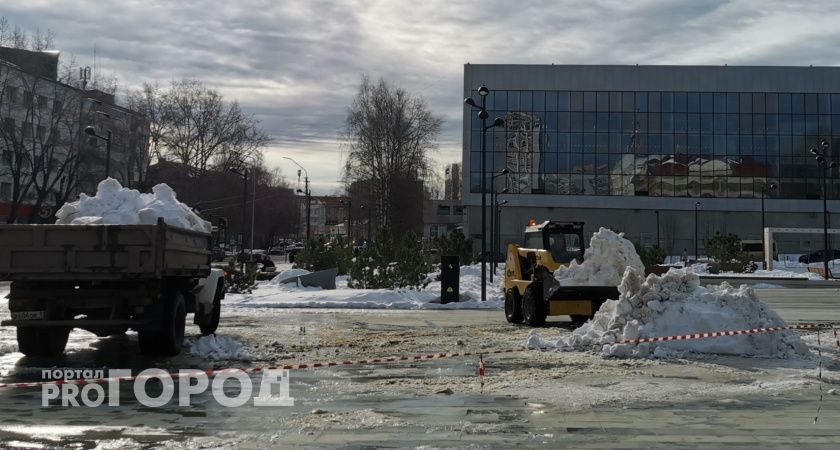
(656,137)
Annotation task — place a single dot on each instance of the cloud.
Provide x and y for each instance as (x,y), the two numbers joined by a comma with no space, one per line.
(297,64)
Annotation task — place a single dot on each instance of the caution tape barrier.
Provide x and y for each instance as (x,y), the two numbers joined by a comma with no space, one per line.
(402,359)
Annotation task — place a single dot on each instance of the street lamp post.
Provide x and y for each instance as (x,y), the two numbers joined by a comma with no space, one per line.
(483,92)
(90,131)
(494,250)
(696,244)
(498,237)
(825,168)
(658,243)
(764,189)
(306,192)
(349,219)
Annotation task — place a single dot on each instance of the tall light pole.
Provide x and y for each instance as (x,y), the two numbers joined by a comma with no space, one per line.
(696,246)
(764,189)
(483,92)
(824,169)
(307,193)
(349,220)
(493,223)
(498,237)
(90,131)
(658,244)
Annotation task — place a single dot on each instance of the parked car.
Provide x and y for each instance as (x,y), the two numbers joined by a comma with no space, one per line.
(819,256)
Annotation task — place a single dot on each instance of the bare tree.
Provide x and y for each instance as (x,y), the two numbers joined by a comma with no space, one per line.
(16,37)
(193,124)
(388,133)
(38,139)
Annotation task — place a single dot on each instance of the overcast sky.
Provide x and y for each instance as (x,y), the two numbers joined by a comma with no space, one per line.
(297,64)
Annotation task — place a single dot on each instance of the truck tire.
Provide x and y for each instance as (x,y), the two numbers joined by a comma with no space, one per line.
(513,306)
(167,340)
(533,306)
(44,342)
(212,322)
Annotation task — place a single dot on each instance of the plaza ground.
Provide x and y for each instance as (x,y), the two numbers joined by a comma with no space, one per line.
(529,399)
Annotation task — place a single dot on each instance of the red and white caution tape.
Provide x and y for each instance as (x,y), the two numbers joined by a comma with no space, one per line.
(687,337)
(412,358)
(299,366)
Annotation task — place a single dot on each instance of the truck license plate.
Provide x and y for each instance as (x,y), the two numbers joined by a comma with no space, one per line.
(28,315)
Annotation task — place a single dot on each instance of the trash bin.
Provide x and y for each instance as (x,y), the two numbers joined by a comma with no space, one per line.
(450,270)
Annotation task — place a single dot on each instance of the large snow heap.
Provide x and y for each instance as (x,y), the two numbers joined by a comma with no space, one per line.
(604,262)
(676,304)
(114,204)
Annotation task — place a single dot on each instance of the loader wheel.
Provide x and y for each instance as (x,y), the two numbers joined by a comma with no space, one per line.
(167,340)
(45,342)
(533,306)
(513,306)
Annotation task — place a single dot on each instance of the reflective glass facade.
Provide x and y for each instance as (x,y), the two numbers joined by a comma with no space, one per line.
(658,144)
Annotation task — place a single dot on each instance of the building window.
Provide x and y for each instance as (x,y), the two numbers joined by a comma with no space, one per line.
(28,97)
(26,130)
(5,191)
(443,210)
(9,125)
(459,211)
(57,107)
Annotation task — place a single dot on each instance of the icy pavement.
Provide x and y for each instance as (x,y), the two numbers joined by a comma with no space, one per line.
(530,399)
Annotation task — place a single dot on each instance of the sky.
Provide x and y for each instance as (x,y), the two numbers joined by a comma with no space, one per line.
(297,64)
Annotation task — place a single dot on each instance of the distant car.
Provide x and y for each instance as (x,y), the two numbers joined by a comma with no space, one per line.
(819,256)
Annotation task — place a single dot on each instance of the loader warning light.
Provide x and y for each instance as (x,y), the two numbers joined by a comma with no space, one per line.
(532,223)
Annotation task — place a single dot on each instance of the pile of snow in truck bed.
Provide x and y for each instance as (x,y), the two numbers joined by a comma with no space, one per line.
(114,204)
(603,262)
(676,304)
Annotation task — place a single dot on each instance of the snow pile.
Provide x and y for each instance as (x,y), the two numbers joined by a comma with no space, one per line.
(218,348)
(603,263)
(114,204)
(676,304)
(270,295)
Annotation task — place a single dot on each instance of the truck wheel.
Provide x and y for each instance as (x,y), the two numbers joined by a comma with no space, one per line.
(533,306)
(212,322)
(37,341)
(167,340)
(578,320)
(513,306)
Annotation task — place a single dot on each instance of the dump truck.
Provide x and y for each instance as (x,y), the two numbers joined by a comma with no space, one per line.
(531,291)
(108,279)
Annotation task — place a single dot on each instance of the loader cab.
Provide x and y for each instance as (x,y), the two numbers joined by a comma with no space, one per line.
(564,240)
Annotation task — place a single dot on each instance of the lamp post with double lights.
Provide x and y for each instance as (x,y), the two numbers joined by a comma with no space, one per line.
(658,244)
(696,243)
(764,189)
(493,223)
(497,211)
(349,204)
(825,168)
(306,192)
(90,131)
(483,92)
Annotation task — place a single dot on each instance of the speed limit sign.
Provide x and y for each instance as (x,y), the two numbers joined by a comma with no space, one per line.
(45,212)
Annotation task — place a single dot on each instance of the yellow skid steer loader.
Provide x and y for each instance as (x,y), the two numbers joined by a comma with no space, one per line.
(531,291)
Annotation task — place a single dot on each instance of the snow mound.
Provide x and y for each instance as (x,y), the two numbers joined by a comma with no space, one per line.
(288,273)
(218,348)
(676,304)
(603,262)
(114,204)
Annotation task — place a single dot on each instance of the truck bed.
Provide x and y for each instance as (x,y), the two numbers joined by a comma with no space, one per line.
(102,252)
